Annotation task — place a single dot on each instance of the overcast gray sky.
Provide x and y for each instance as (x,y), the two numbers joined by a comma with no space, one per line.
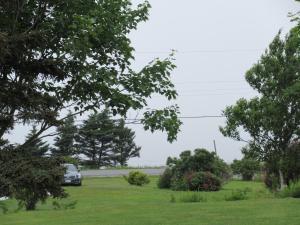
(217,42)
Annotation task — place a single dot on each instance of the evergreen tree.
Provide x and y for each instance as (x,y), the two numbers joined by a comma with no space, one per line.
(124,146)
(37,147)
(95,138)
(64,143)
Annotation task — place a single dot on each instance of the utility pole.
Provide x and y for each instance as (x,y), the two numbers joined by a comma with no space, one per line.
(215,146)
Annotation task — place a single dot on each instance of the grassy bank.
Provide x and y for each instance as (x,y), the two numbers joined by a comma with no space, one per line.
(111,201)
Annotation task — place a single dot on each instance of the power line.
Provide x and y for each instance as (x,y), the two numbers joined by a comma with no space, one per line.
(140,119)
(210,82)
(201,51)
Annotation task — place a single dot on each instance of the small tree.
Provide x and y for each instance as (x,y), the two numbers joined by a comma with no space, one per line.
(28,178)
(246,167)
(272,119)
(124,146)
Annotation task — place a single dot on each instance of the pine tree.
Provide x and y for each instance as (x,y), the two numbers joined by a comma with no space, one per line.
(95,138)
(37,147)
(64,142)
(124,146)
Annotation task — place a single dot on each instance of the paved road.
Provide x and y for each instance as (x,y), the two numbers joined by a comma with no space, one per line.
(118,173)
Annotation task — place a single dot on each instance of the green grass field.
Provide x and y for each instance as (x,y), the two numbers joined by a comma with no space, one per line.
(111,201)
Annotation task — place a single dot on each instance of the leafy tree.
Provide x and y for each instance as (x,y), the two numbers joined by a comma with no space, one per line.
(272,119)
(64,142)
(246,167)
(76,54)
(95,138)
(124,146)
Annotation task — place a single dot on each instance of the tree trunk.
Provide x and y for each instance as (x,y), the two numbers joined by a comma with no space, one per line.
(281,179)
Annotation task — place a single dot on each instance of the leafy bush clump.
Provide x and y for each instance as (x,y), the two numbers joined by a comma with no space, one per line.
(203,181)
(201,171)
(164,180)
(137,178)
(179,184)
(237,195)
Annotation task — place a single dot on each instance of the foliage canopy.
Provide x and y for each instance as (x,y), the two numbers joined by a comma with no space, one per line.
(76,54)
(272,119)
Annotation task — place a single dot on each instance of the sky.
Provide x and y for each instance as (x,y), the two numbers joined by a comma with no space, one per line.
(216,41)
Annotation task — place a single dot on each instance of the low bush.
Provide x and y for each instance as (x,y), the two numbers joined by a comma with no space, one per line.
(237,195)
(198,171)
(3,208)
(164,180)
(137,178)
(64,206)
(194,197)
(291,191)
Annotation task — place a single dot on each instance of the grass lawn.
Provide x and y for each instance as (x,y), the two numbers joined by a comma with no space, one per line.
(111,201)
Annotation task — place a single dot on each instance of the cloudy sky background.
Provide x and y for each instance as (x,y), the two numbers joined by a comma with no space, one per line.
(217,41)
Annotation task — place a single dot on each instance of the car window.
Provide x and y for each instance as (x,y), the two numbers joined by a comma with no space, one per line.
(71,168)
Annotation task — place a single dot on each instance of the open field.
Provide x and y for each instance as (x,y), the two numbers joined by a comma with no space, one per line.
(111,201)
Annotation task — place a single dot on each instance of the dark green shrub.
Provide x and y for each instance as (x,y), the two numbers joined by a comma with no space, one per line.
(271,180)
(201,171)
(137,178)
(237,195)
(164,180)
(203,181)
(291,191)
(30,179)
(179,184)
(296,192)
